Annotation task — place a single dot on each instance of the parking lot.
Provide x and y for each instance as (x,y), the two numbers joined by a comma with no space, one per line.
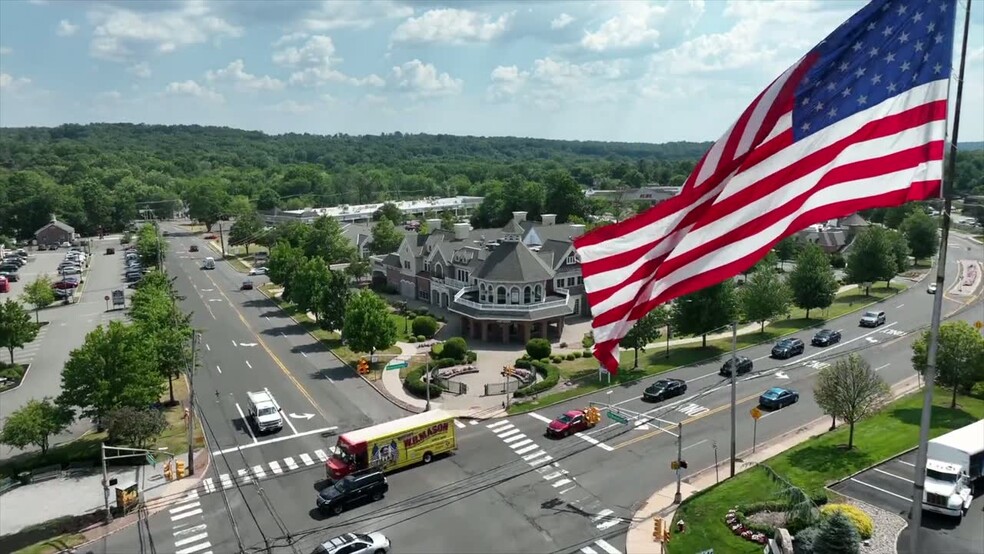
(889,487)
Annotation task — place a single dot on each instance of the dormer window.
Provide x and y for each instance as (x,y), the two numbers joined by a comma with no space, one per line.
(572,259)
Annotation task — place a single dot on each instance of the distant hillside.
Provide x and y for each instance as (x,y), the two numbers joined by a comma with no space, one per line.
(969,146)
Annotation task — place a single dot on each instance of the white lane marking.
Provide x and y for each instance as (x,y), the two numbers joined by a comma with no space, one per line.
(521,443)
(191,539)
(459,424)
(882,367)
(329,380)
(306,458)
(183,515)
(291,464)
(607,547)
(602,514)
(505,434)
(258,472)
(287,419)
(208,484)
(192,495)
(474,422)
(508,440)
(534,455)
(275,468)
(694,444)
(226,480)
(554,475)
(321,455)
(249,364)
(195,548)
(219,369)
(594,441)
(243,475)
(525,449)
(544,419)
(540,461)
(303,353)
(190,530)
(234,343)
(245,421)
(879,489)
(899,477)
(271,441)
(560,483)
(184,507)
(609,523)
(589,550)
(906,463)
(498,424)
(207,347)
(899,306)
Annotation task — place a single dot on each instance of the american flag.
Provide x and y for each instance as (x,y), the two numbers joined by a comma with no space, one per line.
(859,122)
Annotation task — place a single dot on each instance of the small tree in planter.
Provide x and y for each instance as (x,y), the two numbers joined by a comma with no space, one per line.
(837,535)
(538,349)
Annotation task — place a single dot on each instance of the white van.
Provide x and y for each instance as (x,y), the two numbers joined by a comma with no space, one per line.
(209,263)
(265,411)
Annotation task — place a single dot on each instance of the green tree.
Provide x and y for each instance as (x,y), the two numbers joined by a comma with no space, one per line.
(837,535)
(367,326)
(385,237)
(327,241)
(34,424)
(872,257)
(764,296)
(114,367)
(39,294)
(151,248)
(391,212)
(358,268)
(851,391)
(921,234)
(703,311)
(135,426)
(900,252)
(335,295)
(645,331)
(894,216)
(267,199)
(309,286)
(787,249)
(424,325)
(283,264)
(168,330)
(448,220)
(538,348)
(293,233)
(207,203)
(455,348)
(246,230)
(564,196)
(239,205)
(959,357)
(16,327)
(812,281)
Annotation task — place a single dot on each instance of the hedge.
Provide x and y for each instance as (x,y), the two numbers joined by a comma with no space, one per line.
(551,376)
(414,381)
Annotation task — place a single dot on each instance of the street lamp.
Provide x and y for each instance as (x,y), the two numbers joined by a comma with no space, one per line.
(427,375)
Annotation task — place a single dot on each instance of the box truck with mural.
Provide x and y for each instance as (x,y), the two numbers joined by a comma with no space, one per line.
(393,445)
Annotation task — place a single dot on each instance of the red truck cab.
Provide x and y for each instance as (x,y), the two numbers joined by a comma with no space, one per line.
(573,421)
(346,458)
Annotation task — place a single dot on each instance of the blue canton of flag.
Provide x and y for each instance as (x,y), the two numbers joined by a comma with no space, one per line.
(887,48)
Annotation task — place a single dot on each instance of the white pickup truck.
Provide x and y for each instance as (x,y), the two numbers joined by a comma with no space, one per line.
(954,462)
(266,413)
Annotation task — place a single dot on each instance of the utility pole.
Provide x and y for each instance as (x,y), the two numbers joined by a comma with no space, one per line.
(191,405)
(919,480)
(508,372)
(427,374)
(734,380)
(102,454)
(221,240)
(677,497)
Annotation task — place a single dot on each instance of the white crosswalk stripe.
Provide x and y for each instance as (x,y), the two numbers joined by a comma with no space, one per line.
(513,438)
(508,433)
(321,455)
(243,475)
(208,484)
(521,443)
(291,464)
(275,467)
(306,458)
(692,409)
(459,424)
(226,480)
(473,422)
(602,544)
(560,483)
(526,449)
(258,472)
(497,424)
(589,550)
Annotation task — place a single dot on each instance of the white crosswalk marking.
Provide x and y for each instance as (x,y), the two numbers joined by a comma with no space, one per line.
(473,422)
(608,523)
(506,434)
(521,443)
(189,513)
(291,464)
(195,548)
(560,483)
(306,458)
(589,550)
(459,424)
(554,475)
(607,547)
(526,449)
(208,484)
(540,461)
(534,455)
(189,530)
(692,409)
(497,424)
(514,438)
(321,455)
(258,472)
(226,480)
(602,514)
(275,467)
(190,540)
(184,508)
(243,475)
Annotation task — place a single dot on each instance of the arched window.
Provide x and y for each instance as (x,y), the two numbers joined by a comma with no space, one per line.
(538,293)
(500,295)
(481,292)
(439,271)
(527,295)
(514,295)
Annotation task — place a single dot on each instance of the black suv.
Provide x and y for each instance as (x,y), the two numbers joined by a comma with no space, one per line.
(744,366)
(826,337)
(352,489)
(787,348)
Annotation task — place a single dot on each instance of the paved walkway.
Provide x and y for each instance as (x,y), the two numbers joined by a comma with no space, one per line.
(640,539)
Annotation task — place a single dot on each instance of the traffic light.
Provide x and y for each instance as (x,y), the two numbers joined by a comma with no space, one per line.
(363,366)
(674,465)
(658,531)
(592,414)
(666,535)
(683,464)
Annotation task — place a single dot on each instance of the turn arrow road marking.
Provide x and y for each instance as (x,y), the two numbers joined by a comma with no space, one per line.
(301,416)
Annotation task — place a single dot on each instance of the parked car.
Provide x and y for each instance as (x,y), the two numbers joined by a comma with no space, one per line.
(64,293)
(826,337)
(62,285)
(133,276)
(744,366)
(12,268)
(71,270)
(931,289)
(258,271)
(787,348)
(14,260)
(663,389)
(12,276)
(355,543)
(247,285)
(352,489)
(66,244)
(778,397)
(110,251)
(872,319)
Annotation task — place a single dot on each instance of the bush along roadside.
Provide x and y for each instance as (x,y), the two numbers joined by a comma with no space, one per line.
(414,380)
(550,377)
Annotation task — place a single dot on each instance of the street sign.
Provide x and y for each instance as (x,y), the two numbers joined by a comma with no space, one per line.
(151,460)
(618,418)
(756,413)
(397,364)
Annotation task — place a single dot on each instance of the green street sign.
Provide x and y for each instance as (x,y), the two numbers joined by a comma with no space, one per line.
(619,418)
(151,460)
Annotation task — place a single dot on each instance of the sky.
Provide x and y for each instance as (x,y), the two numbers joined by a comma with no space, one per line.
(614,70)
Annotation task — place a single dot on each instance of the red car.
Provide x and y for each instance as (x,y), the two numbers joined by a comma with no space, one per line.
(210,237)
(573,421)
(62,285)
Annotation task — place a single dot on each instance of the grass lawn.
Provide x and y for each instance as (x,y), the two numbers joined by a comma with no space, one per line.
(61,543)
(654,360)
(816,463)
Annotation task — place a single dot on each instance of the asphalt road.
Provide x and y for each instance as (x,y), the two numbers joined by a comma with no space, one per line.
(66,329)
(508,488)
(889,486)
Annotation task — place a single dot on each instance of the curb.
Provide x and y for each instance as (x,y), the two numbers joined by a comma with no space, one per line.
(20,382)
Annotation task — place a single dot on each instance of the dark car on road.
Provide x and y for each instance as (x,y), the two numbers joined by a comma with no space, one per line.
(744,366)
(663,389)
(787,348)
(826,337)
(351,490)
(193,248)
(777,397)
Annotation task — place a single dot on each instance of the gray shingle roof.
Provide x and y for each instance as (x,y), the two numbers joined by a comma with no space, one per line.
(63,226)
(554,250)
(513,262)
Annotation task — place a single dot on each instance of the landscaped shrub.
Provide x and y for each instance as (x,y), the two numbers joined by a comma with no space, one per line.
(563,345)
(837,536)
(803,541)
(524,363)
(525,357)
(455,348)
(421,338)
(424,325)
(837,261)
(412,340)
(862,521)
(556,359)
(538,348)
(414,381)
(544,360)
(471,356)
(570,357)
(421,311)
(585,353)
(551,375)
(588,340)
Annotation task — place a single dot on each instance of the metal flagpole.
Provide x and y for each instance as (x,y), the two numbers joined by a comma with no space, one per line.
(915,512)
(734,379)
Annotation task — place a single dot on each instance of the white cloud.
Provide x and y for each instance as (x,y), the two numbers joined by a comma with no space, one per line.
(632,27)
(288,38)
(561,21)
(118,31)
(333,14)
(451,26)
(975,56)
(293,107)
(193,89)
(507,81)
(109,97)
(4,50)
(315,61)
(422,80)
(10,83)
(236,73)
(66,28)
(550,83)
(141,70)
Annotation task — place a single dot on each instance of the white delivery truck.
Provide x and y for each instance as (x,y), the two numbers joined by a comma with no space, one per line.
(265,412)
(954,462)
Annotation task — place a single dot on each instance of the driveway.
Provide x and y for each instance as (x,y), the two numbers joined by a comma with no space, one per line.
(889,487)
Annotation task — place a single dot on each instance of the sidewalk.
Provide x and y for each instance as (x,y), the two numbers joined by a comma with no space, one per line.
(640,540)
